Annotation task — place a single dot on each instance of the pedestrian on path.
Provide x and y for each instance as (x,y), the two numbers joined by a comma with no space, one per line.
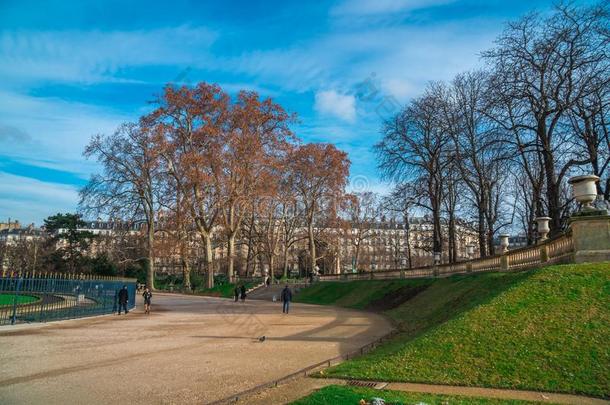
(236,293)
(147,300)
(243,293)
(123,298)
(286,298)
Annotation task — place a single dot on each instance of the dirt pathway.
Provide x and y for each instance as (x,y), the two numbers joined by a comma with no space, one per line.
(189,350)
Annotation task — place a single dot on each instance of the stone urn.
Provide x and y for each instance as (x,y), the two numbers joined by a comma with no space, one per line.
(543,228)
(584,189)
(504,242)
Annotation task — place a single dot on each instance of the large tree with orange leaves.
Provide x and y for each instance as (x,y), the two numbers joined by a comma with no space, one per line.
(248,165)
(320,173)
(191,124)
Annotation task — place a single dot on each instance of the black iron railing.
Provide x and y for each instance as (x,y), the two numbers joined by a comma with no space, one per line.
(42,297)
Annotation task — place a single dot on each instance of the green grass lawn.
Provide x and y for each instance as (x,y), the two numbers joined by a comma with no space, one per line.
(8,299)
(340,395)
(224,290)
(543,330)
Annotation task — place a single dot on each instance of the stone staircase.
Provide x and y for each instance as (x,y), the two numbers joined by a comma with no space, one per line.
(267,293)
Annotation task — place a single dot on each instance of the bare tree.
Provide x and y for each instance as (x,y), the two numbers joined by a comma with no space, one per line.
(127,186)
(590,120)
(542,67)
(320,176)
(362,213)
(414,149)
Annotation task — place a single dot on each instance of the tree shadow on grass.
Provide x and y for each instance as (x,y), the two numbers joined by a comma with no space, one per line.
(422,308)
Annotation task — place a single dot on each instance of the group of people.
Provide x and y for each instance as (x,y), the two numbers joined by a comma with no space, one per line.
(240,292)
(123,299)
(286,295)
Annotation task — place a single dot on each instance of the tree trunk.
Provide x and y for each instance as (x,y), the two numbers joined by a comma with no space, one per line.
(452,242)
(230,258)
(186,274)
(490,241)
(150,273)
(437,234)
(207,240)
(357,256)
(271,264)
(312,250)
(481,233)
(552,186)
(285,262)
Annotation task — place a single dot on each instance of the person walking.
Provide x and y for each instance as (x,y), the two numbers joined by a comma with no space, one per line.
(236,293)
(268,281)
(147,300)
(286,298)
(243,293)
(123,298)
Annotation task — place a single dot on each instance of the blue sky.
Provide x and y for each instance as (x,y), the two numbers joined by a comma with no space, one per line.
(71,69)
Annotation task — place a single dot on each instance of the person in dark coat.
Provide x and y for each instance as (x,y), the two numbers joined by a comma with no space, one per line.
(243,293)
(236,293)
(123,298)
(147,300)
(286,298)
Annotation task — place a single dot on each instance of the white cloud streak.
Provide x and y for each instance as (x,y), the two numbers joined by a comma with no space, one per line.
(376,7)
(95,56)
(30,200)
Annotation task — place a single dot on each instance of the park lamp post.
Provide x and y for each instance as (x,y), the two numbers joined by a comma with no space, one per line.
(504,242)
(584,190)
(543,228)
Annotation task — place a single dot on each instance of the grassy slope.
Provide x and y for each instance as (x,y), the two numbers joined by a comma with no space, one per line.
(543,330)
(355,294)
(224,290)
(339,395)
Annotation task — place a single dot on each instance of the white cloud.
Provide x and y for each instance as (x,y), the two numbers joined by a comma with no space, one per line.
(400,88)
(30,200)
(375,7)
(342,106)
(52,132)
(95,56)
(402,57)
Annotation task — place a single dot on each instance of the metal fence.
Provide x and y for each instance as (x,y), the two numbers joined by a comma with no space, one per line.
(50,297)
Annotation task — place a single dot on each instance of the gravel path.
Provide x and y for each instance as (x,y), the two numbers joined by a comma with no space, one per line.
(189,350)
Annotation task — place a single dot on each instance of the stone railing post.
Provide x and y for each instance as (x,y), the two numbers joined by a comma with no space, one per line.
(591,237)
(544,253)
(504,262)
(590,226)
